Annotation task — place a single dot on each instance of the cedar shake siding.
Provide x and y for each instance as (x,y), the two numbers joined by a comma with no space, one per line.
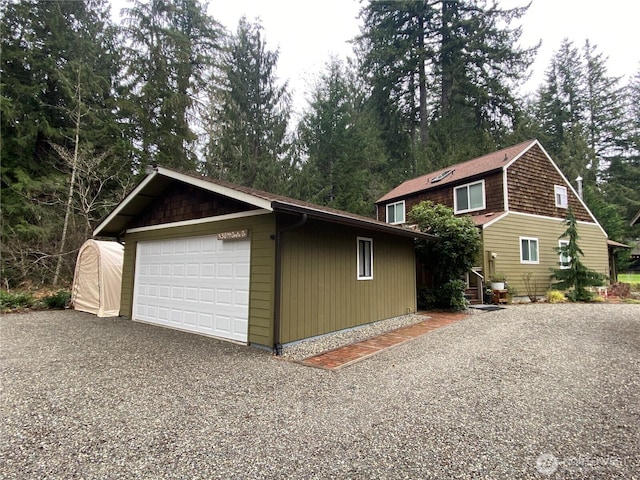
(185,202)
(492,188)
(531,181)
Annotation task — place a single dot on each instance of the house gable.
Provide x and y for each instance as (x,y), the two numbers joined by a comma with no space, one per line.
(181,202)
(531,179)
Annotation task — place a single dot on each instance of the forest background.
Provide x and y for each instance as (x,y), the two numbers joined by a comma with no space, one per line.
(86,104)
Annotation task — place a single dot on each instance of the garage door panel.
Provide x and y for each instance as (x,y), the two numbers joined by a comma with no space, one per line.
(198,284)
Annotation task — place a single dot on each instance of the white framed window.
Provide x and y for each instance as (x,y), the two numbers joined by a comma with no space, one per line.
(395,212)
(468,198)
(564,259)
(562,201)
(529,250)
(365,258)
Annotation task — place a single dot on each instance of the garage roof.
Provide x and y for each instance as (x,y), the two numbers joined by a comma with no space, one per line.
(154,184)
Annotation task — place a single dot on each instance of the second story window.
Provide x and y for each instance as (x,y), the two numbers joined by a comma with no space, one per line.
(561,196)
(395,212)
(469,198)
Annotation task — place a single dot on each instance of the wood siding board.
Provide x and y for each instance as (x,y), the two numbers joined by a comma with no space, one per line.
(531,181)
(318,253)
(260,227)
(503,237)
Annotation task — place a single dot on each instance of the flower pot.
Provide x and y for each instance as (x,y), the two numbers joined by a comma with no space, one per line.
(497,285)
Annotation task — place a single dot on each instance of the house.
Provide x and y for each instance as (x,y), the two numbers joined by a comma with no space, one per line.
(519,200)
(209,257)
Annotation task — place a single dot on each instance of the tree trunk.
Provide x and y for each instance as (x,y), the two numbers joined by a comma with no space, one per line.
(422,86)
(72,183)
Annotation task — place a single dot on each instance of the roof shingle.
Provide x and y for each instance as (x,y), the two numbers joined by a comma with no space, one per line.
(470,168)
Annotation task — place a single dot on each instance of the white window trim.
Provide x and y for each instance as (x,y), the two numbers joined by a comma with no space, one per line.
(404,213)
(562,243)
(455,197)
(370,240)
(562,190)
(530,262)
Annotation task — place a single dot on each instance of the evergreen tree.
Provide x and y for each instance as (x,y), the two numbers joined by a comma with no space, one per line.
(576,276)
(562,116)
(172,48)
(604,110)
(448,67)
(50,49)
(341,145)
(247,125)
(622,175)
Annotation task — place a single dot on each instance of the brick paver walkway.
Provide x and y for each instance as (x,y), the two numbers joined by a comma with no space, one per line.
(349,354)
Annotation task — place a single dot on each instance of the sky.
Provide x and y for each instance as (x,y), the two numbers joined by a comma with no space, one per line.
(308,32)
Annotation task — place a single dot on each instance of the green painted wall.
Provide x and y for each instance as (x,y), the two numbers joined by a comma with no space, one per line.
(261,300)
(503,238)
(320,290)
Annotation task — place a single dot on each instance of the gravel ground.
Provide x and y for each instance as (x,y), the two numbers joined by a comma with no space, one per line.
(313,346)
(532,391)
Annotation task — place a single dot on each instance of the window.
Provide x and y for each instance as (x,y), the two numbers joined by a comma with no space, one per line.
(365,258)
(564,259)
(468,198)
(528,250)
(561,196)
(395,212)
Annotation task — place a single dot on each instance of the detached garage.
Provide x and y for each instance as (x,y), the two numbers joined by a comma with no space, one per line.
(213,258)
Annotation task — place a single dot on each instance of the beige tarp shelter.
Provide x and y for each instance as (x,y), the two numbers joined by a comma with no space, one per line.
(98,278)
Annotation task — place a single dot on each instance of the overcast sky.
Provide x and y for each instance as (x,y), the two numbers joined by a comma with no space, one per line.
(307,32)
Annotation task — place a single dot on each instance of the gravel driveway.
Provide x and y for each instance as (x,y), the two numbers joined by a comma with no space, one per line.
(533,391)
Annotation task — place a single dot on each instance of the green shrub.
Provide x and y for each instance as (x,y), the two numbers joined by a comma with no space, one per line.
(9,300)
(579,295)
(555,296)
(60,299)
(449,296)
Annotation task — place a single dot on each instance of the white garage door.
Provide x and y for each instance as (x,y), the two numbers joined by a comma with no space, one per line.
(197,284)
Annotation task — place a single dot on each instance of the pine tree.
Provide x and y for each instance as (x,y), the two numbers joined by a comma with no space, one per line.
(249,115)
(576,276)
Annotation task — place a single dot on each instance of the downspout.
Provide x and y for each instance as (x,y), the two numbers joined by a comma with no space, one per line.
(277,346)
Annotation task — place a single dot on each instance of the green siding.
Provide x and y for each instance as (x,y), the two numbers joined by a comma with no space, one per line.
(320,290)
(261,299)
(503,238)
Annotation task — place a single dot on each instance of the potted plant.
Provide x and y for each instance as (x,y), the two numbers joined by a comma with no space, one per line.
(497,281)
(487,296)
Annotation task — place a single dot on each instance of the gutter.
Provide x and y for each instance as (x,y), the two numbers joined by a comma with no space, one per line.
(277,346)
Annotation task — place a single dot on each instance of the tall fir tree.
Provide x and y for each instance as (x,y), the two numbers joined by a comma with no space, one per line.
(341,145)
(172,47)
(450,68)
(622,175)
(249,115)
(50,50)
